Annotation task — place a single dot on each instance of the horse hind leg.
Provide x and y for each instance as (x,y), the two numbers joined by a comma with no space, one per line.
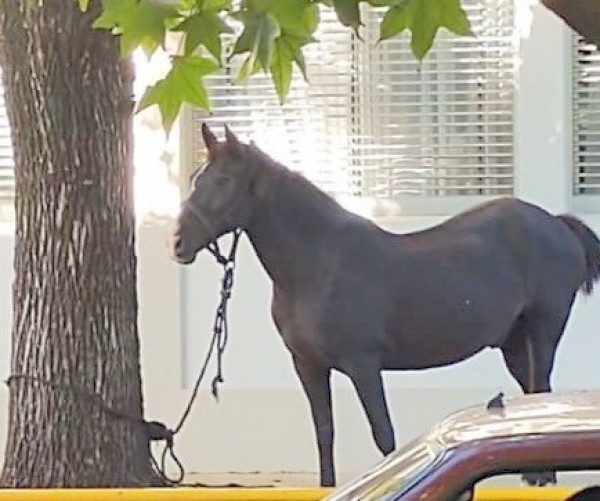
(530,348)
(529,365)
(529,353)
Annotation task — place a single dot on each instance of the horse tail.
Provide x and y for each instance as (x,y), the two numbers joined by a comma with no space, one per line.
(591,246)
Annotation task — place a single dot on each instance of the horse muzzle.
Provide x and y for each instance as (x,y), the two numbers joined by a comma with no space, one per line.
(179,252)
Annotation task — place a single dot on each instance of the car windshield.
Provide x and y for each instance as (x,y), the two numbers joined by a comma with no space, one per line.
(392,475)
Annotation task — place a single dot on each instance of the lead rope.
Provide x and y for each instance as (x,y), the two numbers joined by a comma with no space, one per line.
(155,430)
(220,327)
(158,431)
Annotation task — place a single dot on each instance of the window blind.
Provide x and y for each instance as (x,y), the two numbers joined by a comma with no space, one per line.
(586,118)
(312,132)
(375,123)
(442,128)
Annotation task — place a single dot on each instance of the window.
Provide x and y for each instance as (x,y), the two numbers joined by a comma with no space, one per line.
(374,124)
(581,484)
(444,128)
(586,118)
(313,132)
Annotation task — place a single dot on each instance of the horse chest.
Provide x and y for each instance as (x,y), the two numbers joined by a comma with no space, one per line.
(326,326)
(296,324)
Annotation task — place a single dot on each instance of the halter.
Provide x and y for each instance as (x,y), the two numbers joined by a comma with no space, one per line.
(199,215)
(213,246)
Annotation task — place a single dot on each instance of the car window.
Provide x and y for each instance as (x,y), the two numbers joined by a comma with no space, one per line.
(575,485)
(564,477)
(393,475)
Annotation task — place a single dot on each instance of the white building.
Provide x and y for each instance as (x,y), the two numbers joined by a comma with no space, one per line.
(509,112)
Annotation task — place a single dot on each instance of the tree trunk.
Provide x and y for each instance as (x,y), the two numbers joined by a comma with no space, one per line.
(74,331)
(583,16)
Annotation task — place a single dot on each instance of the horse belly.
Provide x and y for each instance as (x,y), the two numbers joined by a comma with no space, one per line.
(425,356)
(445,336)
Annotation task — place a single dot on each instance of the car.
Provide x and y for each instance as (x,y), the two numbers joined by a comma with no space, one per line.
(533,435)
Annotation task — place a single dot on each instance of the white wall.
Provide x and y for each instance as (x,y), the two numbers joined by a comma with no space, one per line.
(262,423)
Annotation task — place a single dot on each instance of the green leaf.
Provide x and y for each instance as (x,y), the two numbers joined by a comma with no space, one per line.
(268,31)
(423,18)
(455,18)
(281,68)
(245,41)
(140,23)
(298,18)
(84,5)
(204,29)
(146,26)
(248,67)
(348,13)
(113,11)
(183,83)
(213,5)
(396,20)
(295,46)
(185,6)
(423,33)
(288,50)
(301,63)
(258,37)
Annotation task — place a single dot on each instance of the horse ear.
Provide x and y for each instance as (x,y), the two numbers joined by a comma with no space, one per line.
(231,139)
(210,140)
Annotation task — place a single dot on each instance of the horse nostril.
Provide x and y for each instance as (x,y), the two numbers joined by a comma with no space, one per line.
(178,243)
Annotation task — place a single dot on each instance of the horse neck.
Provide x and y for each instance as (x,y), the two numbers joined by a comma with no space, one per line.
(291,227)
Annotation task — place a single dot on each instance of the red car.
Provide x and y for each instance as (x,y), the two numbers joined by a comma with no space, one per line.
(533,435)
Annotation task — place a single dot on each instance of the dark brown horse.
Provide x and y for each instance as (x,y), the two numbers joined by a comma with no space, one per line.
(349,296)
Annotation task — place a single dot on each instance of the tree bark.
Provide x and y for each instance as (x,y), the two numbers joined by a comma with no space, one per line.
(74,337)
(583,16)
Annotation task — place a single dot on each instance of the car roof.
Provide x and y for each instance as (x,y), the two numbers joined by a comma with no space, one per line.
(574,411)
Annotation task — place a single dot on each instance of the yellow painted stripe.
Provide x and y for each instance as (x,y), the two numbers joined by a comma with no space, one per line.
(171,494)
(523,493)
(251,494)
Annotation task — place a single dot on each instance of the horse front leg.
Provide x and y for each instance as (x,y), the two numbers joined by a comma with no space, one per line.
(365,374)
(315,380)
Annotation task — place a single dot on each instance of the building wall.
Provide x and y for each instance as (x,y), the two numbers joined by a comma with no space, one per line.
(261,422)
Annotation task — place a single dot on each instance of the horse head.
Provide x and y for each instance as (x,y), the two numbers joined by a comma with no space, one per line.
(223,195)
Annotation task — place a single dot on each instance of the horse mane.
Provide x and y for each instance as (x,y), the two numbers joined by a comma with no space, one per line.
(293,183)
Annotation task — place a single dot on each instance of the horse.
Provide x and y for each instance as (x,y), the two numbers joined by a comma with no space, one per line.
(352,297)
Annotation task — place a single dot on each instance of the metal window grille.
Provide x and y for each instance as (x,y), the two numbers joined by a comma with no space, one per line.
(372,122)
(586,118)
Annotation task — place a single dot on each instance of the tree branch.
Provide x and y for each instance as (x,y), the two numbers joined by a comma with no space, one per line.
(583,16)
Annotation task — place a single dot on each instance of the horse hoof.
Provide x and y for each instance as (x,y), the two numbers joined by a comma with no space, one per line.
(540,478)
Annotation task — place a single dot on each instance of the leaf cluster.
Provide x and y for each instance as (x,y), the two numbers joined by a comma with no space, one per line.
(268,35)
